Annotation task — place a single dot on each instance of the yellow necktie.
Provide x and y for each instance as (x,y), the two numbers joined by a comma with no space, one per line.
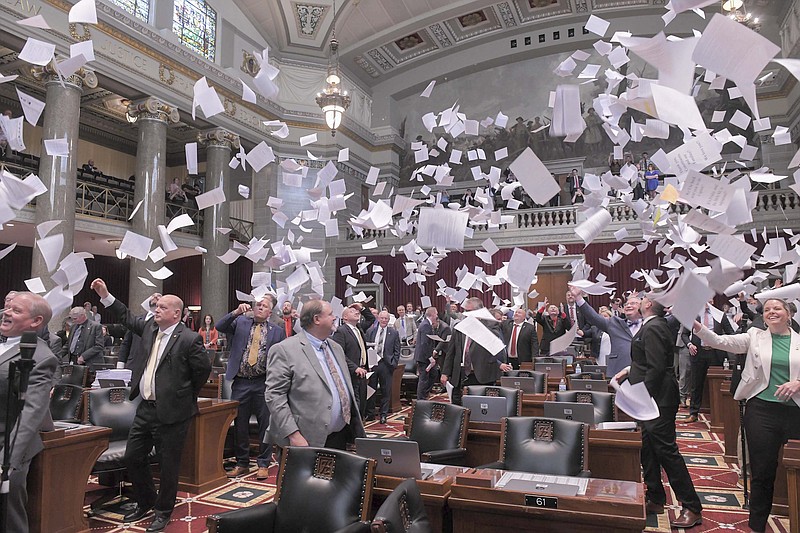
(148,387)
(252,358)
(361,344)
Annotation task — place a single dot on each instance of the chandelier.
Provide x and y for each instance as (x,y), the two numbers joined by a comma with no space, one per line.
(736,10)
(332,100)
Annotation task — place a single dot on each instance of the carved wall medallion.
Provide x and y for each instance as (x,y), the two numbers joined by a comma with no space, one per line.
(230,106)
(73,31)
(165,74)
(249,63)
(308,17)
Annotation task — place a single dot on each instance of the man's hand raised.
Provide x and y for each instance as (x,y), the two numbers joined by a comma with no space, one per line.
(99,286)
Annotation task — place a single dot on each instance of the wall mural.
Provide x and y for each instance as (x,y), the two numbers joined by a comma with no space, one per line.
(521,91)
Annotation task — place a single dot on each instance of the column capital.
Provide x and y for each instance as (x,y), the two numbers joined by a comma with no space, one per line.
(219,137)
(83,77)
(155,109)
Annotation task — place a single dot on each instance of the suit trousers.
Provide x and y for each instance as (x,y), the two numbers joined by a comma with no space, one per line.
(684,373)
(146,432)
(383,375)
(660,450)
(426,380)
(249,392)
(768,425)
(700,363)
(458,391)
(18,498)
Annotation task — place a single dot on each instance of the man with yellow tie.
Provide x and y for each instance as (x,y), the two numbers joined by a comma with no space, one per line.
(250,335)
(169,380)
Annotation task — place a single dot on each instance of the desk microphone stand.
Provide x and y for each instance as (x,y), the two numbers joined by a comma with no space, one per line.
(13,408)
(746,504)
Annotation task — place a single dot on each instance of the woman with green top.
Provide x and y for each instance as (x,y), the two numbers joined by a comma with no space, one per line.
(771,385)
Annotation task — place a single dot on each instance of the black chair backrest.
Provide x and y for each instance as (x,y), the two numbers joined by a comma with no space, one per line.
(513,396)
(544,445)
(539,378)
(588,375)
(438,426)
(110,360)
(220,358)
(65,402)
(407,359)
(73,375)
(603,402)
(403,511)
(320,489)
(225,387)
(111,408)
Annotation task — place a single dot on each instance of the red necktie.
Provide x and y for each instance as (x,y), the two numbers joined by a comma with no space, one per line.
(555,322)
(514,341)
(287,323)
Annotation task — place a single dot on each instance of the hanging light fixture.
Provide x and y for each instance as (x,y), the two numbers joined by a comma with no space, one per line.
(332,100)
(737,10)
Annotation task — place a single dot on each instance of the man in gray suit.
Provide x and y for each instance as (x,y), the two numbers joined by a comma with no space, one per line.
(620,330)
(406,326)
(308,389)
(387,346)
(26,312)
(85,344)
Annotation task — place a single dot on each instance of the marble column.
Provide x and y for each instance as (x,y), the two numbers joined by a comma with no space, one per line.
(58,173)
(219,143)
(264,185)
(152,117)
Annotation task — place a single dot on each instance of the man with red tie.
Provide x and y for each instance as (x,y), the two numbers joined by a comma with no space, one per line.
(523,344)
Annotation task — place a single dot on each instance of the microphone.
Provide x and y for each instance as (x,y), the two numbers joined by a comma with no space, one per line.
(27,347)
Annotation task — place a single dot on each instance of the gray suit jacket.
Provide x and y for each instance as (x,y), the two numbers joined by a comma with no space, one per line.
(34,417)
(297,392)
(411,328)
(90,344)
(619,333)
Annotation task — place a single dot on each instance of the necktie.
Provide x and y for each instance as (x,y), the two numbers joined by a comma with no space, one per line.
(633,325)
(403,327)
(361,344)
(252,357)
(379,344)
(287,323)
(75,336)
(344,398)
(513,347)
(572,315)
(467,357)
(148,387)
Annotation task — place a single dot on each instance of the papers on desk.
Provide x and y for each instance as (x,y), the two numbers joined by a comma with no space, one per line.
(634,400)
(617,426)
(114,373)
(581,482)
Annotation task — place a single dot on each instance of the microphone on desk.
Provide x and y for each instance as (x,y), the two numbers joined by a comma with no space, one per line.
(27,347)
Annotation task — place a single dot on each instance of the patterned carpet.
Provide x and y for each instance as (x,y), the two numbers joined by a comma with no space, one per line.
(717,483)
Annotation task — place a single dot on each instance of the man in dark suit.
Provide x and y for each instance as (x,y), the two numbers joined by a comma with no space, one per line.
(169,381)
(555,323)
(85,344)
(350,337)
(703,357)
(131,349)
(387,347)
(469,363)
(425,350)
(25,312)
(250,338)
(585,332)
(522,342)
(308,392)
(651,363)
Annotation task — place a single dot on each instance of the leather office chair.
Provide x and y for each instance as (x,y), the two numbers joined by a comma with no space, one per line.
(539,381)
(319,490)
(410,378)
(111,408)
(543,446)
(604,410)
(224,393)
(403,511)
(588,375)
(73,375)
(220,359)
(440,429)
(513,396)
(110,360)
(65,402)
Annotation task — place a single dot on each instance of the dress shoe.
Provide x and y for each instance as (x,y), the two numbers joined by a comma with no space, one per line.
(159,523)
(137,514)
(691,419)
(263,473)
(239,471)
(687,519)
(383,419)
(369,418)
(654,508)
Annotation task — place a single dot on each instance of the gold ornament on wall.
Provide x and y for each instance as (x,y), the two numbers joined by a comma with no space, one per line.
(73,31)
(165,74)
(249,63)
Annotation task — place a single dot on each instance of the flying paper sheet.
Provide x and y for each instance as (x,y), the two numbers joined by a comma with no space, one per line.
(210,198)
(83,48)
(136,245)
(537,181)
(635,400)
(732,249)
(700,190)
(191,157)
(31,107)
(522,268)
(427,92)
(475,330)
(37,52)
(180,221)
(37,21)
(593,226)
(260,156)
(84,11)
(560,344)
(441,228)
(51,248)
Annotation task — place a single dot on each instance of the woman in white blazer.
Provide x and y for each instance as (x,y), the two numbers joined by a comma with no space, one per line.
(771,385)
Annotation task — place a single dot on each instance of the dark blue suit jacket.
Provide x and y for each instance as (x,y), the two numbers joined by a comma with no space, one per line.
(237,328)
(391,346)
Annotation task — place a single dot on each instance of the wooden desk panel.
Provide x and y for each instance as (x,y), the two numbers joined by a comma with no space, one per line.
(533,404)
(57,479)
(607,507)
(791,462)
(714,379)
(731,421)
(612,454)
(201,464)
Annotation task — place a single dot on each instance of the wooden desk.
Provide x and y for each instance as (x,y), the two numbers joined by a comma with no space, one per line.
(435,492)
(533,404)
(57,478)
(791,461)
(608,506)
(612,454)
(397,384)
(201,463)
(729,415)
(714,379)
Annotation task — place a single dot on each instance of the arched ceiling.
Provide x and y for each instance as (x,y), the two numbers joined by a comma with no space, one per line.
(380,39)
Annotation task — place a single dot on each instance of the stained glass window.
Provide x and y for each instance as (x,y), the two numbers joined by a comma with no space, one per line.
(138,8)
(195,24)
